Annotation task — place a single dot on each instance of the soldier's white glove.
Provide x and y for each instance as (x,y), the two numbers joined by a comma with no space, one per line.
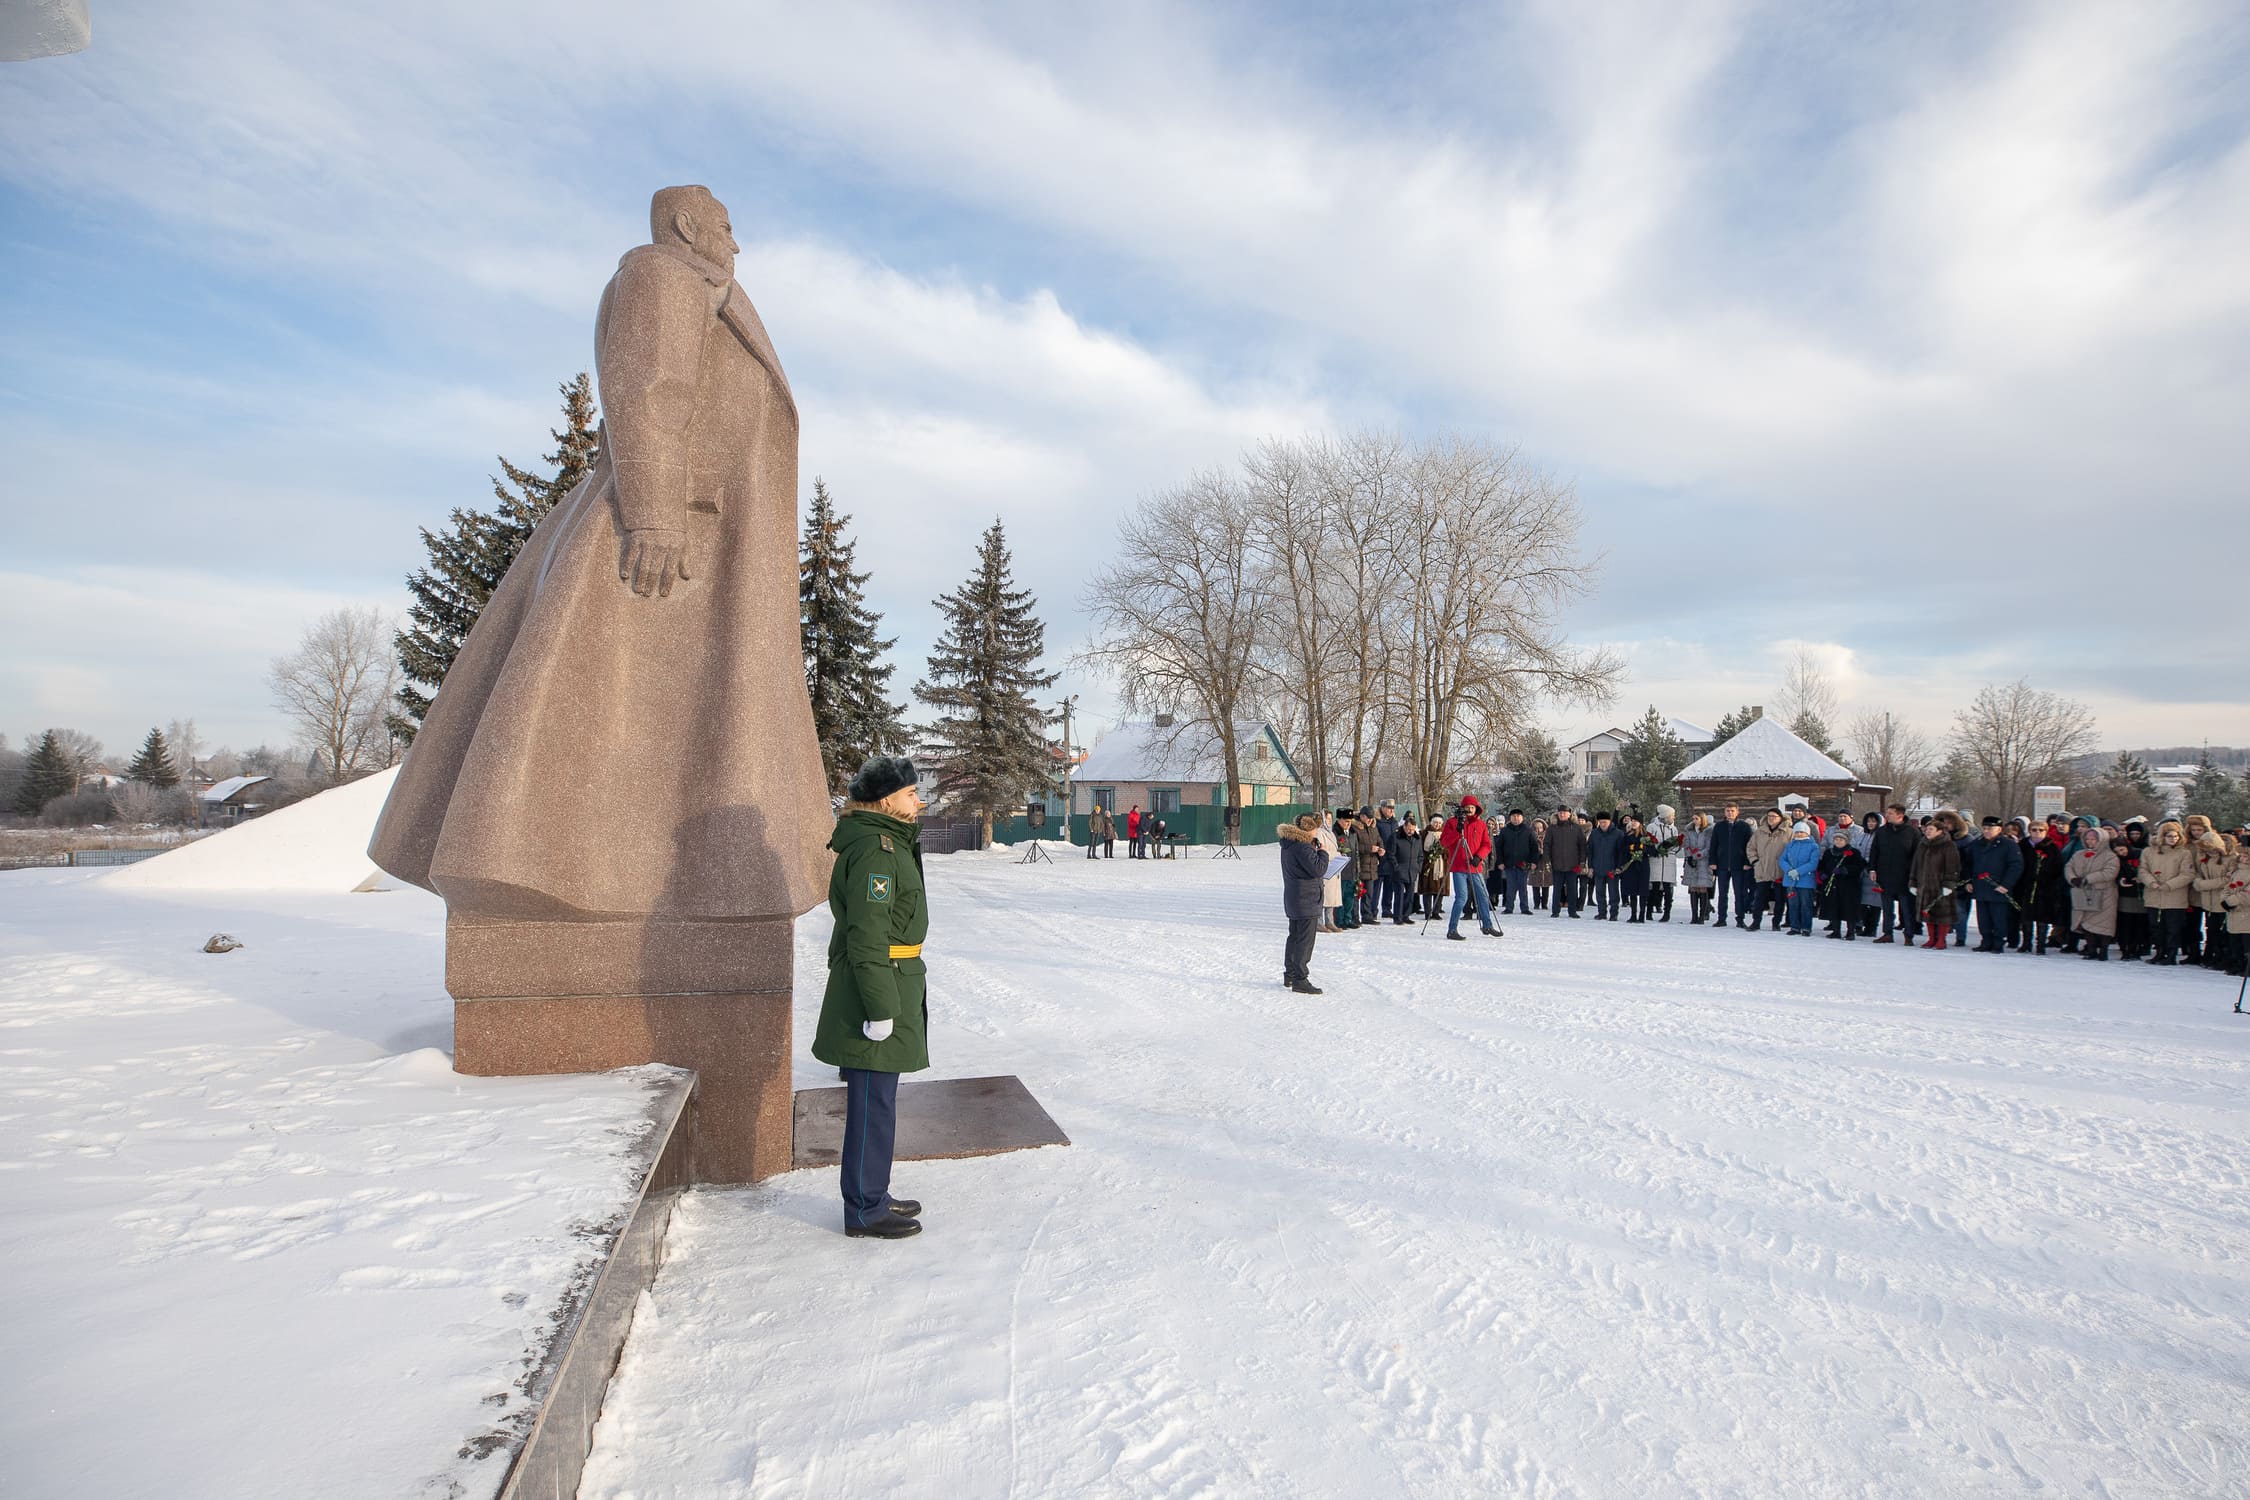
(875,1031)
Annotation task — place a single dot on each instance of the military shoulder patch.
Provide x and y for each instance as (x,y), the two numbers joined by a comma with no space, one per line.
(878,887)
(886,838)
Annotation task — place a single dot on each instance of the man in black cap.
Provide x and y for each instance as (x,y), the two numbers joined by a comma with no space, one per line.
(1995,864)
(1605,855)
(1515,851)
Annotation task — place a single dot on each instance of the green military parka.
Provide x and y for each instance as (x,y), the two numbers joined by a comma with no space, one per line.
(875,895)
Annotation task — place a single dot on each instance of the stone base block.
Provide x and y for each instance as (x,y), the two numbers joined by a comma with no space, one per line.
(738,1044)
(487,958)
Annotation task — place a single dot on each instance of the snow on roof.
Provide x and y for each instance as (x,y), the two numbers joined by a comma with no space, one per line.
(319,844)
(1682,730)
(1765,751)
(1139,751)
(227,788)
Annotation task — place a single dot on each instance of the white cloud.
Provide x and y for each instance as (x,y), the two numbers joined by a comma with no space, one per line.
(2003,340)
(122,648)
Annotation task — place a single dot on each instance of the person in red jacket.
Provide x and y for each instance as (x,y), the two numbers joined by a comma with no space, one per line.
(1468,850)
(1133,832)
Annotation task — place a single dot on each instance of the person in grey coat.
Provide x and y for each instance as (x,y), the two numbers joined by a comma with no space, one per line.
(1695,854)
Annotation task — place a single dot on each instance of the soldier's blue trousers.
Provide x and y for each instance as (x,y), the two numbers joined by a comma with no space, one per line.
(870,1133)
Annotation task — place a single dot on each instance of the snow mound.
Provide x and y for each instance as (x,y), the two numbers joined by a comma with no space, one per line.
(319,844)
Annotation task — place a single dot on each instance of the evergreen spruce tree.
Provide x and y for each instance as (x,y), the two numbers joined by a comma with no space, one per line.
(845,675)
(2130,770)
(51,772)
(469,558)
(153,766)
(1541,781)
(990,736)
(1649,758)
(2215,794)
(1810,728)
(1733,724)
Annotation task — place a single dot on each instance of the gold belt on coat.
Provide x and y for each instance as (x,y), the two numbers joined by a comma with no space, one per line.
(906,950)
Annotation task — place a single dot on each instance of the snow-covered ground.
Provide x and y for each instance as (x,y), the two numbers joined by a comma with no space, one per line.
(260,1240)
(1595,1210)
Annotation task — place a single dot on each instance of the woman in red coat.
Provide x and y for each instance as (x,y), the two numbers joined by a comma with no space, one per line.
(1468,850)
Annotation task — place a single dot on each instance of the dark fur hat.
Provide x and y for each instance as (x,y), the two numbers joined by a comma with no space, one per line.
(881,776)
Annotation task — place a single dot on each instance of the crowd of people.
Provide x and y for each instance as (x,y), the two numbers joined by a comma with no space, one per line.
(1142,831)
(2177,894)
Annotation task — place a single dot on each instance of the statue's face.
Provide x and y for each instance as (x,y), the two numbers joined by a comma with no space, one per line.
(708,230)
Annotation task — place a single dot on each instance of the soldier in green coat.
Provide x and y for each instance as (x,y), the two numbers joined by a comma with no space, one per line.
(874,1019)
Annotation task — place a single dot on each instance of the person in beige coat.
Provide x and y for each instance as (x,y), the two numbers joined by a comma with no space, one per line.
(1767,840)
(1331,886)
(2213,859)
(2236,899)
(2168,889)
(2091,874)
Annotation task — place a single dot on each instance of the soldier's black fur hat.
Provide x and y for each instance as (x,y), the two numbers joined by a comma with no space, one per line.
(881,776)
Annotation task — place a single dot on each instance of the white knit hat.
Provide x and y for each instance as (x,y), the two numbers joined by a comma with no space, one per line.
(1800,827)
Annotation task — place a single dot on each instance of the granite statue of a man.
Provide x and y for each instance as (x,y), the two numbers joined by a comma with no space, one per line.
(617,790)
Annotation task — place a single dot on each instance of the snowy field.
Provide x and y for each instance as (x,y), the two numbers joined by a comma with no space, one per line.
(260,1239)
(1594,1210)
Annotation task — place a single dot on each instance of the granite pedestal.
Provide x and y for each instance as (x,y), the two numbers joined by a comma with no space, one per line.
(586,997)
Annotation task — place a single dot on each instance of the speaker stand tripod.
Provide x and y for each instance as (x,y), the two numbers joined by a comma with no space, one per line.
(1038,853)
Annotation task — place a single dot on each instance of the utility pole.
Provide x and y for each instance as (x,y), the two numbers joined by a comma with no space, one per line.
(1068,762)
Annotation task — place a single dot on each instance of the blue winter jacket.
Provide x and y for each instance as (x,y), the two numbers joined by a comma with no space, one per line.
(1800,864)
(1605,851)
(2000,859)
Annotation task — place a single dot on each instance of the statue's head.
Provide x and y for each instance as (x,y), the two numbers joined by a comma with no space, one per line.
(690,216)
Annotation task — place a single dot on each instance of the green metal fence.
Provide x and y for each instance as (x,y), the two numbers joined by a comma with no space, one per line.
(1197,825)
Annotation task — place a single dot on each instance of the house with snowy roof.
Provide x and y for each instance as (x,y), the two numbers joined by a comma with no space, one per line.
(1767,766)
(1595,756)
(232,800)
(1162,766)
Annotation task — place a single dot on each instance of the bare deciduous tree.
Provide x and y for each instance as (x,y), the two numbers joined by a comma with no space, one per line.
(2014,737)
(1384,603)
(1365,476)
(1484,556)
(1289,532)
(1177,612)
(84,750)
(186,742)
(1807,699)
(1805,688)
(1887,752)
(335,687)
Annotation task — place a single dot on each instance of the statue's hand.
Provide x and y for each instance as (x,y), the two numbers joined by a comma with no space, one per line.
(652,557)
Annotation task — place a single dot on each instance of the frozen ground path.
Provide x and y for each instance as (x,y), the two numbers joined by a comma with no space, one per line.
(1594,1210)
(259,1239)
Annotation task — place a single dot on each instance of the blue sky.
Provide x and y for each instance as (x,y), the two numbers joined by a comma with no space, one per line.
(1920,334)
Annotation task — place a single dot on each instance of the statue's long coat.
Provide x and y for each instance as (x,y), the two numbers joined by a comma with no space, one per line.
(597,753)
